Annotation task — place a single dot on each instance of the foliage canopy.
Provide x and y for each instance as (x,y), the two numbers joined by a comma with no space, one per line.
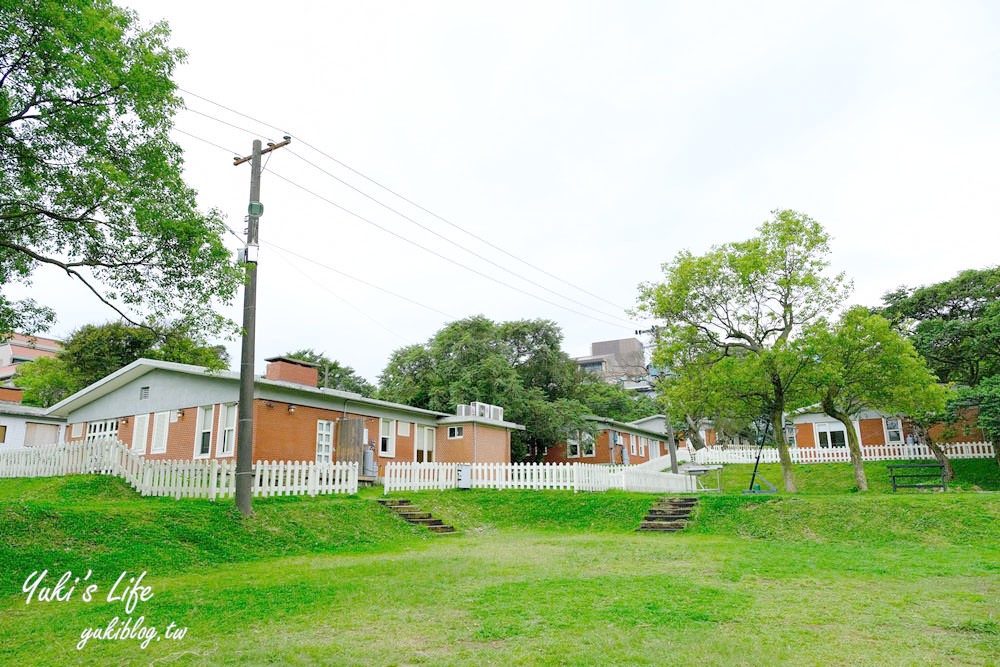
(90,182)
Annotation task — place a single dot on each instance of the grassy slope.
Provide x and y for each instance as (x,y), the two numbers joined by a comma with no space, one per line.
(535,578)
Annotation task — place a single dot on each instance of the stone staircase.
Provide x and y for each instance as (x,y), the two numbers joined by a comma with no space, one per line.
(410,512)
(668,515)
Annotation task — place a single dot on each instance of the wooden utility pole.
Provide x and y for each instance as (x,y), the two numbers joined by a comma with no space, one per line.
(244,443)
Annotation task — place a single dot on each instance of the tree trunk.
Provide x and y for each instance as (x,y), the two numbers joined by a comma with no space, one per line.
(778,426)
(852,444)
(694,435)
(996,450)
(922,436)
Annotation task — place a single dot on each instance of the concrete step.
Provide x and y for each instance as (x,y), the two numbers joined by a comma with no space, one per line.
(669,508)
(392,502)
(659,529)
(442,529)
(665,517)
(662,525)
(687,502)
(426,521)
(411,516)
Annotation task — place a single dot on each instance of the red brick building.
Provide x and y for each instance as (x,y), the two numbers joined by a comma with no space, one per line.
(612,442)
(166,410)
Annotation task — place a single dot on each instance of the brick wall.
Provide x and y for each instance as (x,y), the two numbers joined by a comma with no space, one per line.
(872,431)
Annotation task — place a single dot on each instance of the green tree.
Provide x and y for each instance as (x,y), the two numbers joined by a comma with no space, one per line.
(334,375)
(863,363)
(90,182)
(612,401)
(954,324)
(985,399)
(746,301)
(45,381)
(517,365)
(94,351)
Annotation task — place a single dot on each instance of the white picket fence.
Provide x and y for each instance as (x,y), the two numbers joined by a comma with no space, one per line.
(401,476)
(900,452)
(179,479)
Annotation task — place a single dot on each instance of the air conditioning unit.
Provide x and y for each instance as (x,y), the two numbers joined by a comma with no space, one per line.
(465,411)
(481,409)
(496,413)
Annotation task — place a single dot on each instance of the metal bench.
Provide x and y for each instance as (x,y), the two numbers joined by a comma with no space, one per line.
(917,476)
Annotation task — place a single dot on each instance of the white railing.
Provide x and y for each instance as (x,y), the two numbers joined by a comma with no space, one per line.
(538,476)
(179,479)
(962,450)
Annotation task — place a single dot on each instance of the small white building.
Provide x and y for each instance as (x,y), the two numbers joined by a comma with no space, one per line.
(25,426)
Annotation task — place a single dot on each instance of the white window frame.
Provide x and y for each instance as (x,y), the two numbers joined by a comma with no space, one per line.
(161,433)
(76,430)
(631,445)
(899,429)
(140,433)
(324,441)
(456,432)
(106,428)
(573,445)
(588,440)
(643,440)
(225,439)
(403,429)
(3,433)
(200,430)
(387,438)
(827,428)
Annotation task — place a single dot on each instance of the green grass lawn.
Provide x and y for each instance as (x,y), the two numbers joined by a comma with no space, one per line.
(820,578)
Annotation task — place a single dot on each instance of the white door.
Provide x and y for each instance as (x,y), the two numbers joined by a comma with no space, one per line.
(424,451)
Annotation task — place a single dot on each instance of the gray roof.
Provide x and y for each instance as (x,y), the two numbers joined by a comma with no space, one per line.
(16,409)
(140,367)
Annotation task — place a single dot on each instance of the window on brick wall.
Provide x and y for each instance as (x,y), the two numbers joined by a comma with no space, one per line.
(387,437)
(107,428)
(161,427)
(573,445)
(893,430)
(226,442)
(203,432)
(140,431)
(587,445)
(455,432)
(324,441)
(831,435)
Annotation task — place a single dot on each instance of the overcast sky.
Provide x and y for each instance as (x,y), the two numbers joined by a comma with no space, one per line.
(592,140)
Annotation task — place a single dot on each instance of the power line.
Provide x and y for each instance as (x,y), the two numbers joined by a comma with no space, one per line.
(332,293)
(356,279)
(452,241)
(431,230)
(436,253)
(205,141)
(429,250)
(325,266)
(405,199)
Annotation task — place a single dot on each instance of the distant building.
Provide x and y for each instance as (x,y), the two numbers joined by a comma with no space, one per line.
(616,360)
(20,348)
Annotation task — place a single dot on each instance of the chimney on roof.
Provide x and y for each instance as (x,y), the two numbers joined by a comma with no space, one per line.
(296,371)
(11,394)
